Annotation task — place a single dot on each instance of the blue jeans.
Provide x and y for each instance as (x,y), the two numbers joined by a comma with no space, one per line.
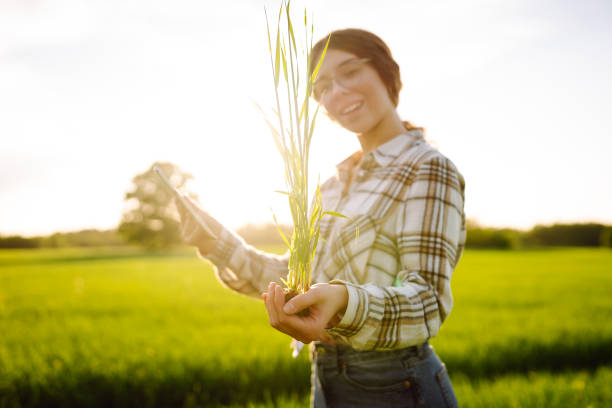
(409,377)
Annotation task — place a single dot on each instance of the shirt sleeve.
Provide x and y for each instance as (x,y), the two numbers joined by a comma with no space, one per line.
(243,268)
(429,239)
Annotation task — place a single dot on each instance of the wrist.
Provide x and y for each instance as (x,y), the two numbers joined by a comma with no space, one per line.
(341,295)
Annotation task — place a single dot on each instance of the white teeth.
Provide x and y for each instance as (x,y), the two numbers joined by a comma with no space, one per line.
(351,108)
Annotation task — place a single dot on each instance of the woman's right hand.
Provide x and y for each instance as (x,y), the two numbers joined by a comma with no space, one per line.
(192,233)
(325,303)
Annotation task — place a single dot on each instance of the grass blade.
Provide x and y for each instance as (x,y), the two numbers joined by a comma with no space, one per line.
(277,60)
(335,214)
(280,231)
(284,58)
(293,145)
(316,70)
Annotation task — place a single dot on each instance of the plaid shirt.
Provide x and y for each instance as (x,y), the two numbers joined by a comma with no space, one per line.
(406,201)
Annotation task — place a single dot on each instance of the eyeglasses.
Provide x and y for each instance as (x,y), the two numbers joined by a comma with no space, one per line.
(347,75)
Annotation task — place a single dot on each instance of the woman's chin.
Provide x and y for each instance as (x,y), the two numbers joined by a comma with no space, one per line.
(356,127)
(352,124)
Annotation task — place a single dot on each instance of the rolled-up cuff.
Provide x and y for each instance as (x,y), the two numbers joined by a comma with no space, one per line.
(354,316)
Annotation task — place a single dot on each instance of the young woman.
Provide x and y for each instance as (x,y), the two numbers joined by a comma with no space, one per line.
(379,298)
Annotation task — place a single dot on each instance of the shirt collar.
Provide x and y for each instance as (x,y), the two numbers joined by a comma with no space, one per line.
(383,155)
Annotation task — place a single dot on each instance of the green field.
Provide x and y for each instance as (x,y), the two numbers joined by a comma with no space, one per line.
(125,328)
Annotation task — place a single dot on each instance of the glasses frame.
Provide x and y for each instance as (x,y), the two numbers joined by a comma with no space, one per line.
(333,77)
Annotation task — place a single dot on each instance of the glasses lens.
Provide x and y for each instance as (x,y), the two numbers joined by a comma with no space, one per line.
(347,76)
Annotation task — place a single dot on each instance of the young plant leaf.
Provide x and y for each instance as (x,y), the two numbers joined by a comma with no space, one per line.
(335,214)
(282,234)
(313,77)
(293,145)
(277,55)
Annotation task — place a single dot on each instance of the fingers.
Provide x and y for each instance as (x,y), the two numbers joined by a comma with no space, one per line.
(279,298)
(274,300)
(190,230)
(193,234)
(189,201)
(269,300)
(305,329)
(210,221)
(301,302)
(182,210)
(195,205)
(179,208)
(186,226)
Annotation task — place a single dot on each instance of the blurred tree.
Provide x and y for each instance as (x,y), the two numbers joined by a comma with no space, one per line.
(82,238)
(606,237)
(150,219)
(588,234)
(495,238)
(16,241)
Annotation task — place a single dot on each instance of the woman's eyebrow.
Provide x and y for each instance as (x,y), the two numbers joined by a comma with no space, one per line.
(346,61)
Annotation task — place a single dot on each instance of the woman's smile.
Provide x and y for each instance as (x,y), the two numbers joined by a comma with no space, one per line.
(353,94)
(352,108)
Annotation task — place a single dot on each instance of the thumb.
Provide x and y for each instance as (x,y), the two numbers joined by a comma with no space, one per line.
(184,212)
(180,208)
(301,302)
(189,201)
(212,222)
(196,206)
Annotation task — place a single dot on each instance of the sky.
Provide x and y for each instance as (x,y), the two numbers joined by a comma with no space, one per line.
(518,94)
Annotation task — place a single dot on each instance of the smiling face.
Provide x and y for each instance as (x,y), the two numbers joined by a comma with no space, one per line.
(361,107)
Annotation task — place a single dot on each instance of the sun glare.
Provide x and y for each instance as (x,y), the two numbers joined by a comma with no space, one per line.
(88,106)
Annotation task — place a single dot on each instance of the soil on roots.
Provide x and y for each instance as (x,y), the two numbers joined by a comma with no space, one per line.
(290,294)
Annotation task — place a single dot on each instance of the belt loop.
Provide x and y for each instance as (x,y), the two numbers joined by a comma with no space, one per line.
(411,353)
(423,349)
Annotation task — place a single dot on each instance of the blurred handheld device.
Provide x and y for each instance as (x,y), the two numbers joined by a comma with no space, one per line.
(184,202)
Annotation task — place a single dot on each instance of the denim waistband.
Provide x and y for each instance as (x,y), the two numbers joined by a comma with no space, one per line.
(334,354)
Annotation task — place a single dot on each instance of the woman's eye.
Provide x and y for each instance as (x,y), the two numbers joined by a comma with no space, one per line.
(350,73)
(321,88)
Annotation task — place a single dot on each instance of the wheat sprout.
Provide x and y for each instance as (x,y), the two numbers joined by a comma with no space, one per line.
(292,138)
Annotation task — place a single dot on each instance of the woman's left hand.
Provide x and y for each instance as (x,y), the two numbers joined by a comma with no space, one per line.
(323,300)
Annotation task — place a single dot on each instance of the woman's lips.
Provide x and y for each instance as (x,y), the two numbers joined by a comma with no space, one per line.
(351,108)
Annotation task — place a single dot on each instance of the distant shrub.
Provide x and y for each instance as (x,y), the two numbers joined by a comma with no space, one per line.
(606,237)
(15,241)
(492,238)
(588,235)
(83,238)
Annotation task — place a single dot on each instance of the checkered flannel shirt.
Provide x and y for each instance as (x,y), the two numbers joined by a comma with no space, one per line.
(406,201)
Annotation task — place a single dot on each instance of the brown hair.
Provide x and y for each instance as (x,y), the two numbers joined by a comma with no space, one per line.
(364,44)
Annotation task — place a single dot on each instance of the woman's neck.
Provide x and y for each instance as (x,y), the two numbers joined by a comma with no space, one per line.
(385,130)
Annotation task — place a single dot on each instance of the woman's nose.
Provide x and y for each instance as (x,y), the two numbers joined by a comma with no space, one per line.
(336,85)
(335,89)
